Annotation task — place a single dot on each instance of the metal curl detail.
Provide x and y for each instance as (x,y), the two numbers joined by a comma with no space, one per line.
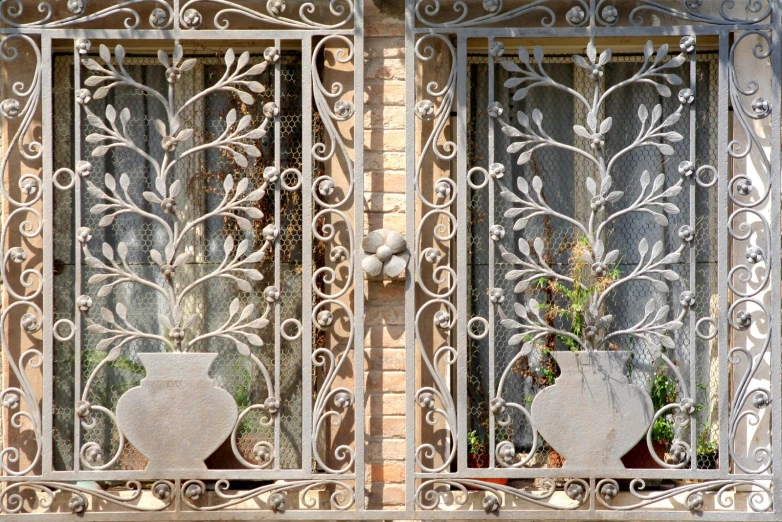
(162,14)
(690,13)
(427,498)
(192,490)
(342,10)
(494,13)
(762,500)
(11,501)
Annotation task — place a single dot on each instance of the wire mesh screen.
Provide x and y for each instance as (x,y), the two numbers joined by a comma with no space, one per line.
(564,177)
(202,176)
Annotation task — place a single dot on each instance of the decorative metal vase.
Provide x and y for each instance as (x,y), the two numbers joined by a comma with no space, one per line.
(177,417)
(592,415)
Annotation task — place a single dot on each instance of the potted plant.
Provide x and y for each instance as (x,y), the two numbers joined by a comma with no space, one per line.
(177,397)
(707,449)
(478,456)
(663,392)
(566,317)
(592,415)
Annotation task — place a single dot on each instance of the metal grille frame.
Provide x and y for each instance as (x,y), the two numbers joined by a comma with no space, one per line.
(30,33)
(442,36)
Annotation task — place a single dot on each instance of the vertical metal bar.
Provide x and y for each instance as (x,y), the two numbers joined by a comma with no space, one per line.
(776,251)
(48,254)
(176,14)
(461,249)
(277,256)
(693,261)
(306,252)
(177,496)
(490,337)
(358,219)
(410,279)
(77,278)
(723,253)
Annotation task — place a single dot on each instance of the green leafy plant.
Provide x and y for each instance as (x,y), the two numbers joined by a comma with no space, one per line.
(475,444)
(91,359)
(706,444)
(566,303)
(663,392)
(571,302)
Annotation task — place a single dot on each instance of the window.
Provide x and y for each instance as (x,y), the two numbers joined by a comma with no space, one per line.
(181,259)
(564,176)
(203,178)
(595,209)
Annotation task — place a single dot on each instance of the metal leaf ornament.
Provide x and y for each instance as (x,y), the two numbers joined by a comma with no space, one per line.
(606,205)
(112,130)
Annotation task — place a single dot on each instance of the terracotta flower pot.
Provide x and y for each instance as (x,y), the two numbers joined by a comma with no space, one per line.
(176,417)
(481,460)
(555,460)
(640,458)
(592,415)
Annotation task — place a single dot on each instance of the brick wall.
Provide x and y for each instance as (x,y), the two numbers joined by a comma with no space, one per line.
(384,186)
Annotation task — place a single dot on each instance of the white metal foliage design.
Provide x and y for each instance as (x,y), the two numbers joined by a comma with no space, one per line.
(321,28)
(438,278)
(606,207)
(111,265)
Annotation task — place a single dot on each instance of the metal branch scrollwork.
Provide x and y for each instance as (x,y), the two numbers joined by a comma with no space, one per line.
(663,326)
(341,498)
(583,13)
(237,204)
(693,11)
(12,502)
(746,281)
(492,12)
(438,223)
(653,199)
(428,498)
(329,225)
(760,500)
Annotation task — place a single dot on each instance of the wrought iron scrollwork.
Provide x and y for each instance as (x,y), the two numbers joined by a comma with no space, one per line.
(747,281)
(314,180)
(441,32)
(276,12)
(328,282)
(12,502)
(239,261)
(584,13)
(341,498)
(492,11)
(12,13)
(18,112)
(529,202)
(760,500)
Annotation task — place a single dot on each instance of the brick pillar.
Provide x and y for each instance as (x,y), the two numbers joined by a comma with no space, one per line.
(384,185)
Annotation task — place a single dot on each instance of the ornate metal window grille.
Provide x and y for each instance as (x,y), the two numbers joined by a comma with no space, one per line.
(575,206)
(182,177)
